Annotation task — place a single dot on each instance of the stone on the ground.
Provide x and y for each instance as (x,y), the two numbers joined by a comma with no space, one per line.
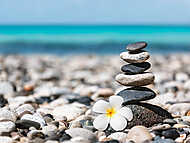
(136,46)
(171,133)
(70,111)
(179,109)
(135,80)
(35,134)
(6,127)
(105,92)
(147,115)
(6,115)
(3,101)
(139,134)
(135,68)
(135,57)
(121,136)
(49,130)
(80,132)
(25,109)
(136,94)
(26,124)
(5,139)
(7,89)
(35,118)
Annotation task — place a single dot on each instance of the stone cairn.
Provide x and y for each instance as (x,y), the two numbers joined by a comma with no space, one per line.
(135,77)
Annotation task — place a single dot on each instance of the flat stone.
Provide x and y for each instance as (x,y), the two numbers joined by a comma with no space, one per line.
(135,80)
(75,132)
(135,94)
(147,115)
(136,46)
(135,57)
(139,134)
(135,68)
(26,124)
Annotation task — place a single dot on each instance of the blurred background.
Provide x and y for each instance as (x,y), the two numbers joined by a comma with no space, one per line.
(93,27)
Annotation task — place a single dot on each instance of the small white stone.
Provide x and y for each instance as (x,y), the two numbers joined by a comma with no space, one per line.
(4,139)
(25,109)
(49,130)
(70,111)
(6,127)
(6,115)
(118,136)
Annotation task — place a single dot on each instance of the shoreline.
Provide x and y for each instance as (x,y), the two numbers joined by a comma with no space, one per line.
(55,95)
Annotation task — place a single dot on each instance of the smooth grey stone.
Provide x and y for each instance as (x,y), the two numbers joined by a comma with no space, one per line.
(136,46)
(170,121)
(135,57)
(171,133)
(135,94)
(135,80)
(135,68)
(158,139)
(147,114)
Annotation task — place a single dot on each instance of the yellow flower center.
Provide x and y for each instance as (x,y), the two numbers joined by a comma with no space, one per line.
(110,112)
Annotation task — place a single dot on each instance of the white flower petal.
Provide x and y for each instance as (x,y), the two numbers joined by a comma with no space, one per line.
(118,122)
(126,112)
(101,122)
(116,101)
(101,106)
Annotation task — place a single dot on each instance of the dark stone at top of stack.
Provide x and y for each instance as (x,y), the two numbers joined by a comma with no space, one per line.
(136,46)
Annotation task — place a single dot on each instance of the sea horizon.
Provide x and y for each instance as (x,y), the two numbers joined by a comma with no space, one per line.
(95,39)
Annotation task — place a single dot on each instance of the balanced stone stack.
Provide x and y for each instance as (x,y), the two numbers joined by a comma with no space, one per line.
(135,77)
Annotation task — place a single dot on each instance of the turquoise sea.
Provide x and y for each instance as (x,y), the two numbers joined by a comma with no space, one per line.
(82,39)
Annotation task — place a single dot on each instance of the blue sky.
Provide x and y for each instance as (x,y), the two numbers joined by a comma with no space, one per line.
(94,11)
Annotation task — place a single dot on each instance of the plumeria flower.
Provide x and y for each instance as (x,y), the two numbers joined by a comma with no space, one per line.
(112,113)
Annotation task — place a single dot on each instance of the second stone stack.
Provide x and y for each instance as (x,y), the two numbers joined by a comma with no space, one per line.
(135,75)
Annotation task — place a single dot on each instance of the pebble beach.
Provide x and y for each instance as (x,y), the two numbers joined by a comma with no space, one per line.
(49,99)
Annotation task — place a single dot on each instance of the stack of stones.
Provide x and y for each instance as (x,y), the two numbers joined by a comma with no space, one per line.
(135,77)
